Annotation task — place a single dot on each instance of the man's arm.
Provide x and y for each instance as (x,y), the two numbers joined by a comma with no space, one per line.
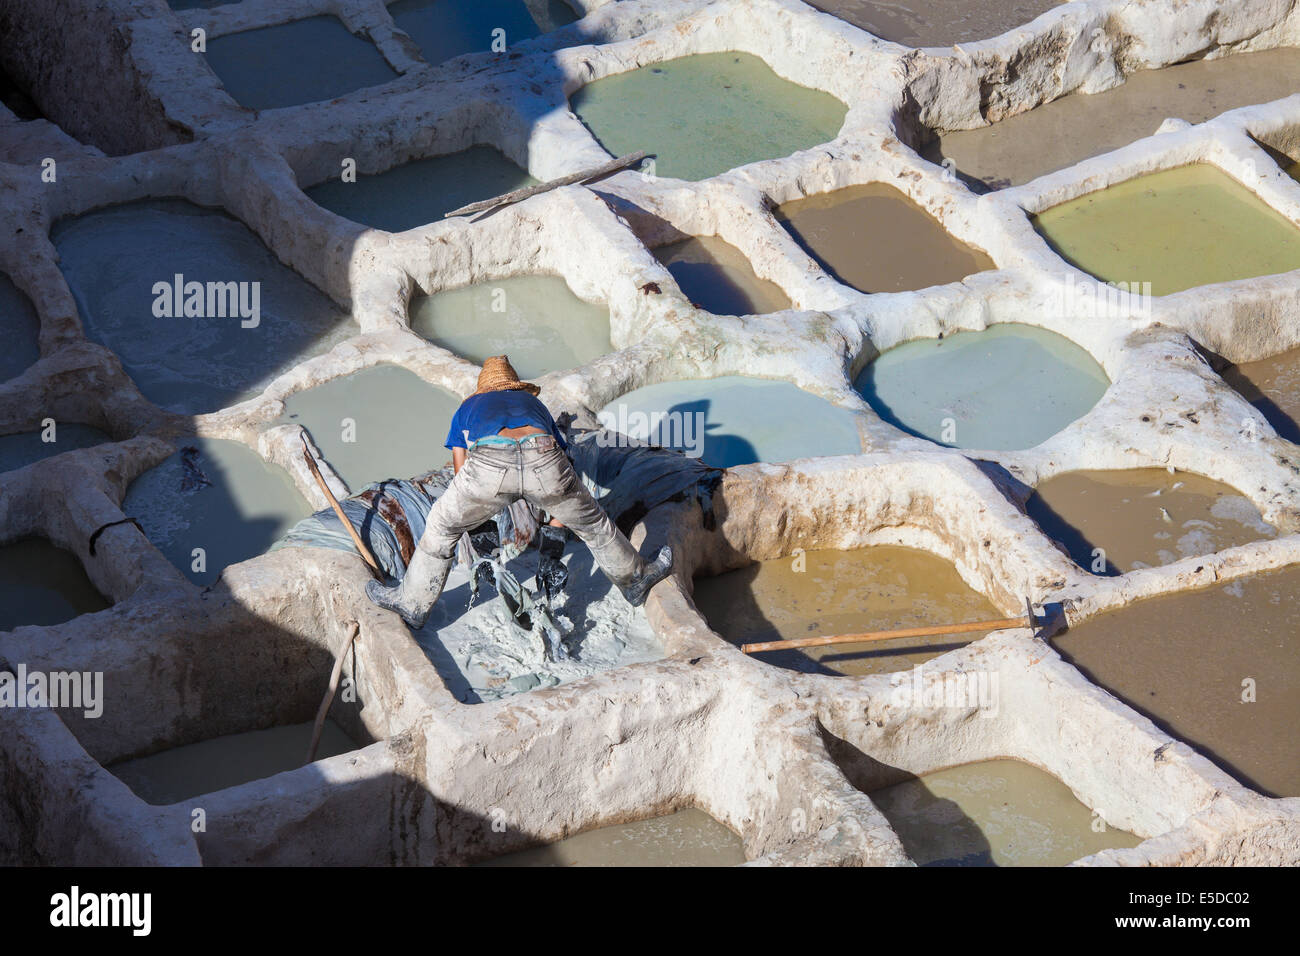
(457,459)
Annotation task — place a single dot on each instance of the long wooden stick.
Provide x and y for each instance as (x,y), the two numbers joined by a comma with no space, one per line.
(518,195)
(890,635)
(366,556)
(329,694)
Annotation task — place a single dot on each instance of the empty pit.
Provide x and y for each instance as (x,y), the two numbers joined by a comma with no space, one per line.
(22,331)
(936,23)
(818,593)
(381,422)
(1192,662)
(702,115)
(1111,522)
(1177,229)
(219,497)
(685,838)
(1272,385)
(875,239)
(1081,125)
(735,420)
(716,277)
(994,813)
(239,319)
(1009,387)
(421,191)
(43,584)
(24,448)
(445,29)
(536,320)
(304,61)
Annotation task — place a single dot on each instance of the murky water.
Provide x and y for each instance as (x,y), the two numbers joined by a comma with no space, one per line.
(1143,517)
(536,320)
(929,23)
(1192,661)
(876,239)
(420,192)
(1272,385)
(703,115)
(171,776)
(715,276)
(20,450)
(1080,126)
(1009,387)
(1176,229)
(843,592)
(121,263)
(686,838)
(43,584)
(22,330)
(444,29)
(994,813)
(303,61)
(246,507)
(381,422)
(735,420)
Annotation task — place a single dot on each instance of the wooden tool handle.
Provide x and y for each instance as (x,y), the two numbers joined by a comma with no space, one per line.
(518,195)
(889,635)
(366,556)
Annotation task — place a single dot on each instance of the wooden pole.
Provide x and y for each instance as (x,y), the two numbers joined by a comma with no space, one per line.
(519,195)
(366,556)
(890,635)
(329,694)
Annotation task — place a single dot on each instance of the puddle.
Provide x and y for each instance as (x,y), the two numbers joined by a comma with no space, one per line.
(444,29)
(537,320)
(381,422)
(931,23)
(686,838)
(705,114)
(304,61)
(419,192)
(1143,518)
(482,656)
(114,258)
(184,772)
(247,506)
(993,813)
(875,239)
(1272,385)
(1079,126)
(735,420)
(843,592)
(716,277)
(1179,228)
(1009,387)
(20,450)
(22,330)
(43,584)
(1184,660)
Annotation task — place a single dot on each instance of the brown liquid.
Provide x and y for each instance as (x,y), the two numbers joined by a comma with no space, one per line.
(717,278)
(843,592)
(1182,659)
(1079,126)
(877,240)
(1142,518)
(1272,385)
(928,23)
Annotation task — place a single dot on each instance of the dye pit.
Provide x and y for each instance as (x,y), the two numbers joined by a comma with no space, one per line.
(1272,385)
(25,448)
(537,320)
(1111,522)
(22,329)
(421,191)
(180,360)
(703,115)
(686,838)
(820,593)
(41,584)
(1008,387)
(716,277)
(875,239)
(936,23)
(1177,229)
(444,30)
(994,813)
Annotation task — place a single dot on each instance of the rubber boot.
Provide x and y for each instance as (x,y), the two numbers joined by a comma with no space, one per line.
(636,592)
(552,574)
(413,598)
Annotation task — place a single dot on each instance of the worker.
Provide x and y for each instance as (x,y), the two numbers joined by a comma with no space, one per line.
(505,446)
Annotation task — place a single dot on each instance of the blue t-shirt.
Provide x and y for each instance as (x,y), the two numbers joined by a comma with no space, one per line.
(487,414)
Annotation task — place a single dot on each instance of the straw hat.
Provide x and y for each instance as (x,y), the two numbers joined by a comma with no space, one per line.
(499,375)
